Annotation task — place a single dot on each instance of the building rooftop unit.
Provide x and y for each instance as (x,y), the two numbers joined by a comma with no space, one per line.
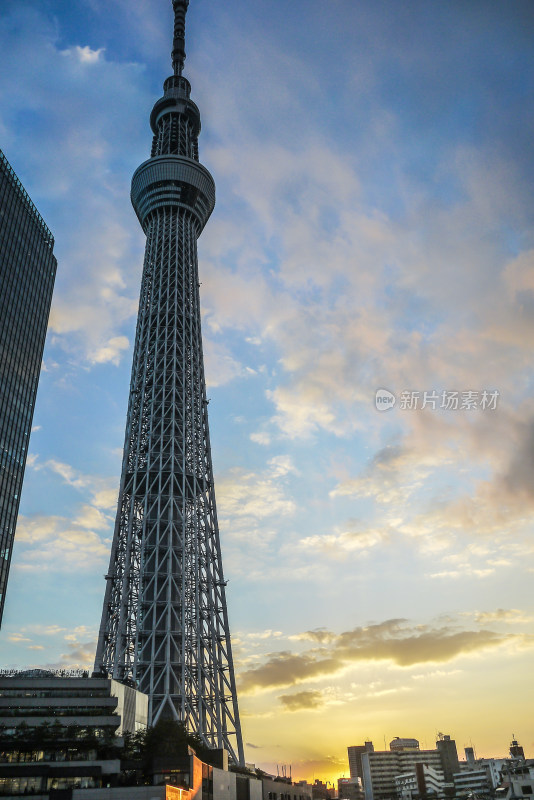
(403,744)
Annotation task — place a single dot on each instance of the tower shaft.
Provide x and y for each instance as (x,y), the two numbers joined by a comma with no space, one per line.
(164,622)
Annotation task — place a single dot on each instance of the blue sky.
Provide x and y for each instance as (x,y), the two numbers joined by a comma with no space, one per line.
(373,229)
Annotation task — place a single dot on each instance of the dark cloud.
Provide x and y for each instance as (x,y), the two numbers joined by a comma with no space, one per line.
(286,668)
(393,640)
(302,700)
(254,746)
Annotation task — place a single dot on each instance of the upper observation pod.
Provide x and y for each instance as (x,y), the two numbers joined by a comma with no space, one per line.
(176,98)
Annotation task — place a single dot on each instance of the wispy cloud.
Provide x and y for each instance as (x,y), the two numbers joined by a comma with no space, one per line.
(76,175)
(102,491)
(251,496)
(510,616)
(57,544)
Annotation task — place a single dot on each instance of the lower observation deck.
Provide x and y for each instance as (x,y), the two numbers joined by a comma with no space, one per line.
(174,181)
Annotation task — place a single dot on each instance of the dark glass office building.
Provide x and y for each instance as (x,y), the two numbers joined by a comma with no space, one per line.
(27,272)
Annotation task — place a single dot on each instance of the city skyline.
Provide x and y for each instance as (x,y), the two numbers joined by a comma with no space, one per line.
(373,230)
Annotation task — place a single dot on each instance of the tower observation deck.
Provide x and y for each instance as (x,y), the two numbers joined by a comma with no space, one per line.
(164,622)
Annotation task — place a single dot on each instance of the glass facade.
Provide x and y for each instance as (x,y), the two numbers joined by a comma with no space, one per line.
(27,273)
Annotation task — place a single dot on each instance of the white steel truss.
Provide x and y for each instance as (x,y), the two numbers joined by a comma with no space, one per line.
(164,622)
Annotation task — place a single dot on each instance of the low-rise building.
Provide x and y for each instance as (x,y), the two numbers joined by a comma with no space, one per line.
(492,766)
(350,789)
(517,780)
(470,782)
(60,730)
(280,788)
(321,790)
(422,782)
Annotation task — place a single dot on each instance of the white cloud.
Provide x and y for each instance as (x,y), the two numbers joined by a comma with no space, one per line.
(92,518)
(111,351)
(338,544)
(261,438)
(83,54)
(282,465)
(220,366)
(247,495)
(53,543)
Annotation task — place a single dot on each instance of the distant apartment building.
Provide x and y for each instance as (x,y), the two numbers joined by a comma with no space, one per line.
(516,751)
(27,274)
(355,758)
(517,780)
(446,748)
(380,768)
(404,772)
(492,767)
(471,782)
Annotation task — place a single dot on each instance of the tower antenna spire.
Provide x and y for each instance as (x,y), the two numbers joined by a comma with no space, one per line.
(178,45)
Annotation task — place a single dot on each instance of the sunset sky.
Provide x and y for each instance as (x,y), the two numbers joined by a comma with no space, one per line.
(374,229)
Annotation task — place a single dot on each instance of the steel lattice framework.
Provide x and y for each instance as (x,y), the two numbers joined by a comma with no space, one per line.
(164,622)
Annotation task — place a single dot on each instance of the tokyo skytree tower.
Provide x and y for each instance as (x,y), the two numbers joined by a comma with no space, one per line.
(164,621)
